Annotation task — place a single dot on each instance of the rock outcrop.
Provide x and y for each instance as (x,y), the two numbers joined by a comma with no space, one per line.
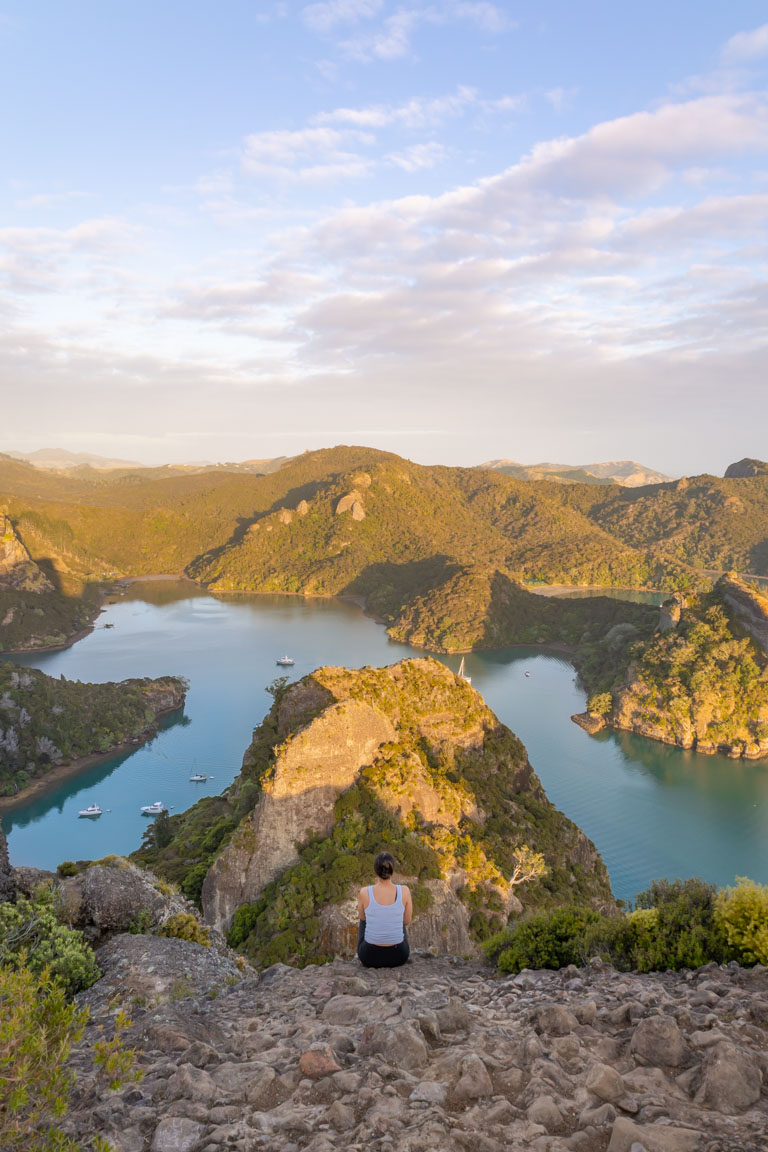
(407,756)
(18,571)
(309,775)
(745,468)
(7,882)
(749,606)
(440,1055)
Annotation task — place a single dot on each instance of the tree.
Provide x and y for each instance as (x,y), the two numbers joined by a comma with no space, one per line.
(529,865)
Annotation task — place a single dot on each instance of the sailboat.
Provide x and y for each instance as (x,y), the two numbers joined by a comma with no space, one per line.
(462,675)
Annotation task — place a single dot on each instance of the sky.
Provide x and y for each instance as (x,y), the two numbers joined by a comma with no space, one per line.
(453,229)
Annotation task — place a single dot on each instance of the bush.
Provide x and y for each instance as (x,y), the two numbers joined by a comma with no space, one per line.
(37,1030)
(30,928)
(741,914)
(547,940)
(67,868)
(683,934)
(184,926)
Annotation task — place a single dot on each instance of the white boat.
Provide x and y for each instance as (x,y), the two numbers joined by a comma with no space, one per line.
(199,777)
(462,675)
(154,809)
(91,810)
(285,662)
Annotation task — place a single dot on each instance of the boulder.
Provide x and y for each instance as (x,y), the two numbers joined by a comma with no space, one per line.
(657,1040)
(732,1079)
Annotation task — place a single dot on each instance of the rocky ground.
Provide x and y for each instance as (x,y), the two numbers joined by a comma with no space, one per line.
(441,1054)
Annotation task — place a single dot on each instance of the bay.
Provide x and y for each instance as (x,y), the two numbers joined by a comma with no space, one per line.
(652,810)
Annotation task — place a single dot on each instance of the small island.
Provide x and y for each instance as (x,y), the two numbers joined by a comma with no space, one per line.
(50,728)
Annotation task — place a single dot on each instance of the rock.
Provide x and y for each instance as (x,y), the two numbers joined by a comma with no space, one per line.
(590,721)
(7,883)
(177,1134)
(18,571)
(604,1082)
(154,968)
(311,772)
(657,1040)
(116,897)
(194,1083)
(544,1111)
(474,1082)
(555,1020)
(430,1092)
(341,1116)
(318,1062)
(653,1137)
(402,1045)
(732,1080)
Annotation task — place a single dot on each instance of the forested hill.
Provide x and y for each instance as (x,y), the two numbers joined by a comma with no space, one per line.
(356,520)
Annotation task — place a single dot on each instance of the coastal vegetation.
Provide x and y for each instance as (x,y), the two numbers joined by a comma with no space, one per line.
(675,924)
(45,722)
(701,682)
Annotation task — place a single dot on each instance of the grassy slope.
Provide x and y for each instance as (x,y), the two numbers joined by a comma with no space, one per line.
(428,534)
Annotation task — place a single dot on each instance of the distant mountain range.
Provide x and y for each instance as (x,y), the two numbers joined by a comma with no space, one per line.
(628,473)
(60,460)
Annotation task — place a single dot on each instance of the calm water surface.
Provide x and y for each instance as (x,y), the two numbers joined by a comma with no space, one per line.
(652,810)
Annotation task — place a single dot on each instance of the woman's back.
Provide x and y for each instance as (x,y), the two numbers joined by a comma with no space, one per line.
(384,922)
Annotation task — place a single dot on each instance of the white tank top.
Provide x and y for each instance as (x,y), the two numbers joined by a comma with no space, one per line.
(384,922)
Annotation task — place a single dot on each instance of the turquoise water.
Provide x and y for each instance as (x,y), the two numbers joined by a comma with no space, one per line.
(652,810)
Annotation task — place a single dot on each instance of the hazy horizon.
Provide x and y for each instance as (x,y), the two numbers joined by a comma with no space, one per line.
(455,230)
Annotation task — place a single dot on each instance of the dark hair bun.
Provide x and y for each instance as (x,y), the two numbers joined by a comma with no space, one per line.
(384,865)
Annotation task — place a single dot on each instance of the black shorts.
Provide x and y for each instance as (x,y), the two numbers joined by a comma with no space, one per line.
(380,955)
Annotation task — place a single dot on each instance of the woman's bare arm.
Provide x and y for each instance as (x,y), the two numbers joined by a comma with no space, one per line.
(407,906)
(362,903)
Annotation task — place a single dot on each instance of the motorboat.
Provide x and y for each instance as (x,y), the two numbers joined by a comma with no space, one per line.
(462,675)
(154,809)
(91,810)
(199,777)
(285,662)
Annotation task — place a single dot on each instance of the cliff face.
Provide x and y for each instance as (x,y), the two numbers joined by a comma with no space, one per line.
(406,757)
(297,802)
(18,572)
(749,606)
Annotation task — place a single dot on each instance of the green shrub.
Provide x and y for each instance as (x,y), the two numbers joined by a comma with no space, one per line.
(67,868)
(184,926)
(741,913)
(30,928)
(37,1030)
(683,934)
(547,940)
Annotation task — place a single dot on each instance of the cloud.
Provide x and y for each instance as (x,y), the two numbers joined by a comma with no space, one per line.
(324,17)
(313,153)
(391,40)
(417,157)
(747,45)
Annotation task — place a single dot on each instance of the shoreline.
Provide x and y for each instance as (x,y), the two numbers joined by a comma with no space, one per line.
(57,774)
(106,588)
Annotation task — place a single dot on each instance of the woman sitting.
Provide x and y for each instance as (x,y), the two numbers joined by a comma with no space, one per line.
(385,909)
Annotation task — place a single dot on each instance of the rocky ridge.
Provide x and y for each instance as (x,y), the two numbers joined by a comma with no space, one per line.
(18,571)
(442,1054)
